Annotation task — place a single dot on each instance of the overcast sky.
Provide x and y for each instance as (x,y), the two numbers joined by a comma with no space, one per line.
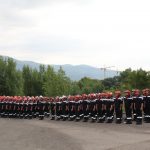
(93,32)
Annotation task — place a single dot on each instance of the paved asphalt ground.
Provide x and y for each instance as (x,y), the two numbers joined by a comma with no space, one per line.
(35,134)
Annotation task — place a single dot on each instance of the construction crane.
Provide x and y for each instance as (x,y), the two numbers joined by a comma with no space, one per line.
(105,68)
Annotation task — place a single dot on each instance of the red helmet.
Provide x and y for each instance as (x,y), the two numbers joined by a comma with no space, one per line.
(57,99)
(92,96)
(117,93)
(103,95)
(127,93)
(136,92)
(147,91)
(109,94)
(144,91)
(64,98)
(77,98)
(84,96)
(70,98)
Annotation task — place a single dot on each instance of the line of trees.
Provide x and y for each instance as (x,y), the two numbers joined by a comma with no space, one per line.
(45,81)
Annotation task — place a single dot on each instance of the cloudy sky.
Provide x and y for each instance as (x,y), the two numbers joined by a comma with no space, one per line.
(93,32)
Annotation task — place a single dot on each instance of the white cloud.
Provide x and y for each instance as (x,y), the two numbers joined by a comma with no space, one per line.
(77,32)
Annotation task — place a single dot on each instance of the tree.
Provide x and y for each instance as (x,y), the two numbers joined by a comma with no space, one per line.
(2,76)
(10,78)
(134,79)
(41,79)
(88,85)
(140,79)
(45,81)
(50,85)
(63,82)
(74,88)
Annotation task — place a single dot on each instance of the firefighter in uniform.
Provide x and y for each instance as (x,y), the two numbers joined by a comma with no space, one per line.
(128,106)
(64,108)
(71,108)
(78,106)
(10,106)
(2,106)
(6,107)
(1,98)
(144,99)
(21,108)
(58,108)
(138,106)
(82,98)
(118,103)
(85,104)
(109,107)
(18,107)
(146,106)
(47,107)
(34,107)
(133,108)
(92,107)
(41,107)
(24,107)
(30,108)
(14,107)
(100,108)
(52,107)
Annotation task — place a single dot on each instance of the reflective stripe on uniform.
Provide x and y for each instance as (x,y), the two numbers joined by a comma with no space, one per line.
(129,118)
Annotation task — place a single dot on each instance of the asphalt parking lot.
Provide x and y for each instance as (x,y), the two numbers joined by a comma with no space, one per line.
(18,134)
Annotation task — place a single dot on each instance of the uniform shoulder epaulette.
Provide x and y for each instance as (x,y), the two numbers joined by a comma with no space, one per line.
(111,100)
(134,97)
(141,97)
(103,99)
(120,98)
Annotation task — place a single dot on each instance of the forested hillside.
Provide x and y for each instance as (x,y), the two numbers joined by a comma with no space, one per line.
(48,82)
(74,72)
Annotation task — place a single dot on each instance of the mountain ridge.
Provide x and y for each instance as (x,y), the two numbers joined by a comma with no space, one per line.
(74,72)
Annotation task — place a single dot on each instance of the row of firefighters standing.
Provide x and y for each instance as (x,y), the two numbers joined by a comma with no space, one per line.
(98,107)
(103,107)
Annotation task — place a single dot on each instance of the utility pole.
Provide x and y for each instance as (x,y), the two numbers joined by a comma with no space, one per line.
(105,68)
